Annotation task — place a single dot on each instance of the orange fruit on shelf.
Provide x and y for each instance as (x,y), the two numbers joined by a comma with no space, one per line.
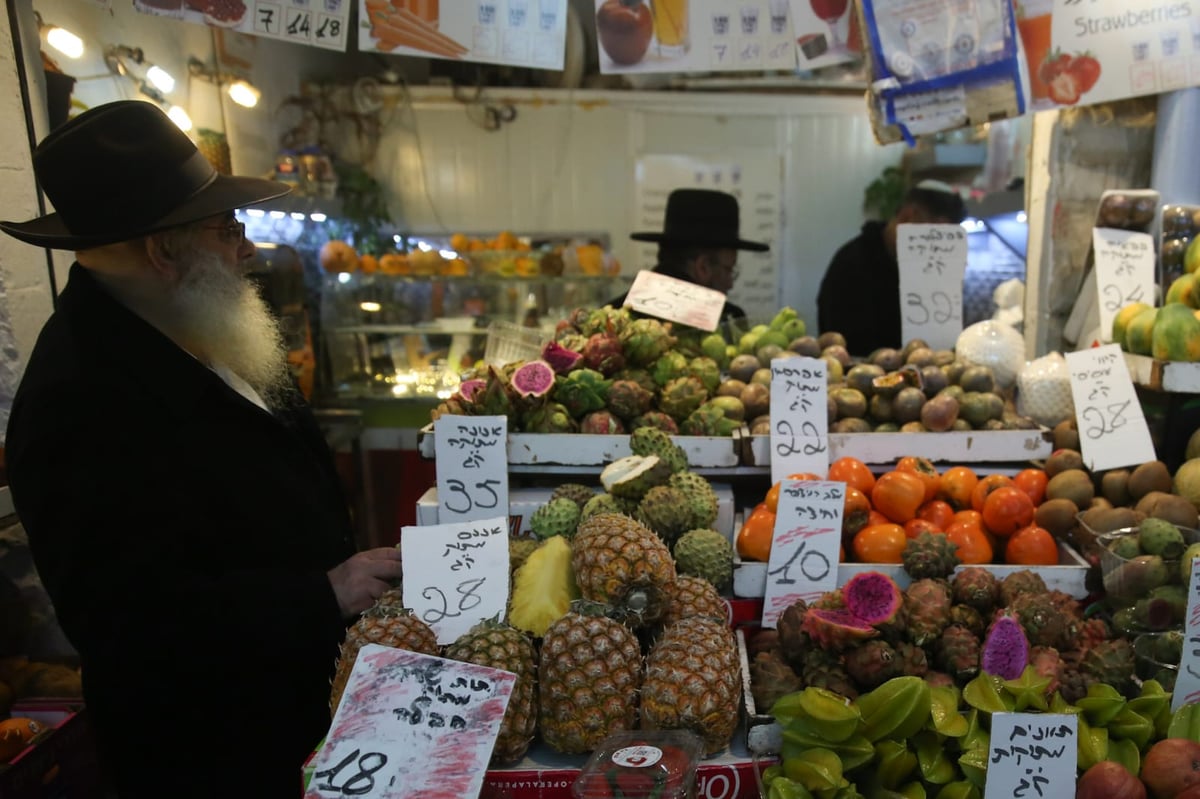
(772,497)
(1032,482)
(394,263)
(459,242)
(985,486)
(856,511)
(1006,510)
(916,525)
(923,468)
(972,542)
(369,264)
(938,511)
(1031,546)
(879,543)
(956,486)
(754,537)
(337,256)
(852,472)
(897,495)
(875,517)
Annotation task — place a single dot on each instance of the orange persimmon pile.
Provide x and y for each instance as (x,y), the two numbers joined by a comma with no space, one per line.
(990,518)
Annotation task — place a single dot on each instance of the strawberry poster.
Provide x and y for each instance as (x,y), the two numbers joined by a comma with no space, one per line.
(1081,53)
(320,23)
(520,33)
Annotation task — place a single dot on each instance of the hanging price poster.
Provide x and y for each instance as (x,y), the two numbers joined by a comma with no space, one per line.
(933,259)
(471,456)
(411,725)
(519,33)
(695,35)
(320,23)
(1080,53)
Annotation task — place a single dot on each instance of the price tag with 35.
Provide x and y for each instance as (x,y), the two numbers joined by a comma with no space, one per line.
(933,259)
(799,417)
(1112,427)
(804,549)
(1124,272)
(471,454)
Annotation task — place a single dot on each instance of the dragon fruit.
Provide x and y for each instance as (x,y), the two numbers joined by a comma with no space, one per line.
(574,342)
(836,629)
(495,399)
(639,376)
(468,388)
(577,319)
(872,663)
(563,328)
(708,420)
(682,396)
(561,359)
(927,608)
(873,597)
(582,391)
(627,399)
(669,366)
(957,652)
(644,340)
(657,420)
(601,423)
(705,370)
(604,320)
(602,352)
(533,379)
(1005,650)
(549,418)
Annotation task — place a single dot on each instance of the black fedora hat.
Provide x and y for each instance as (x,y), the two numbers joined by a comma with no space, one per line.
(123,170)
(701,218)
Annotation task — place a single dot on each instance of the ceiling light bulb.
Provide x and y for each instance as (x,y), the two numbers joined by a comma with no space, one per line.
(180,118)
(65,42)
(244,94)
(161,79)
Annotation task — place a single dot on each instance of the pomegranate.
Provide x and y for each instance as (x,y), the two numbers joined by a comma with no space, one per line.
(1109,780)
(1170,766)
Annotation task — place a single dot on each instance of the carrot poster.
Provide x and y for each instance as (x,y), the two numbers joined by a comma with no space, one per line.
(524,33)
(1102,50)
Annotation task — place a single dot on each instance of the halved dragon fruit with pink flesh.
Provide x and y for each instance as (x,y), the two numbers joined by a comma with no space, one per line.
(560,358)
(533,379)
(873,597)
(836,629)
(468,388)
(1006,649)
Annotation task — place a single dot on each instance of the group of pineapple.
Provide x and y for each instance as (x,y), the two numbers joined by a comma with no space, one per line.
(615,619)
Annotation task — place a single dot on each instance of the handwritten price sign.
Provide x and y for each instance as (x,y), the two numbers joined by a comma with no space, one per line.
(1187,683)
(1124,272)
(1032,755)
(411,725)
(471,455)
(456,574)
(933,259)
(677,300)
(1112,428)
(804,550)
(799,417)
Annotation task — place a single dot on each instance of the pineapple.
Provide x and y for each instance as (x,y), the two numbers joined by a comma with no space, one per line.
(621,562)
(693,596)
(500,646)
(693,681)
(387,623)
(543,587)
(589,674)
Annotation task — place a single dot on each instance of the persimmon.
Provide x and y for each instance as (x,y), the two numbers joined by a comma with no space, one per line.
(985,486)
(897,495)
(916,525)
(969,517)
(1032,482)
(972,542)
(853,472)
(923,468)
(875,517)
(880,543)
(938,511)
(754,537)
(856,511)
(1031,546)
(956,486)
(804,476)
(1006,510)
(771,500)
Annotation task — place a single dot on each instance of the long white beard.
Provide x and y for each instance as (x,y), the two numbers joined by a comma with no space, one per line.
(221,314)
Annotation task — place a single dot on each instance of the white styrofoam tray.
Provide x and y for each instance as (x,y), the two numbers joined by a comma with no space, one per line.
(971,446)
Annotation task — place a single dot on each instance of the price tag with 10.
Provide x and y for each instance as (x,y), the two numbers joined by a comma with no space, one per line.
(932,259)
(1112,427)
(804,548)
(799,417)
(471,455)
(676,300)
(1124,263)
(1032,755)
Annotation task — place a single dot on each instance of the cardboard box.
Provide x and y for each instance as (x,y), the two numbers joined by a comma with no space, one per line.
(59,762)
(953,446)
(522,502)
(750,577)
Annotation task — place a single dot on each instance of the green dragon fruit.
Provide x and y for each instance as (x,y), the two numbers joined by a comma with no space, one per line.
(627,399)
(657,420)
(582,391)
(670,365)
(705,370)
(550,418)
(602,352)
(645,340)
(497,398)
(682,396)
(708,420)
(602,423)
(605,320)
(573,342)
(639,376)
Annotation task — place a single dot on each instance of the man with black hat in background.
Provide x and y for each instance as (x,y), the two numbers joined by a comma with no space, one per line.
(699,243)
(181,504)
(860,293)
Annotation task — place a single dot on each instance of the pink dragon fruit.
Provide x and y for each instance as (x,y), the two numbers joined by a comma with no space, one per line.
(627,399)
(656,419)
(468,388)
(1006,649)
(602,352)
(533,379)
(836,629)
(560,358)
(601,423)
(873,597)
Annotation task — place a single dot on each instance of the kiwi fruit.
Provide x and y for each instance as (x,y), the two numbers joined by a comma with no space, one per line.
(1105,520)
(1171,507)
(1072,484)
(1150,476)
(1056,515)
(1114,486)
(1062,460)
(1066,435)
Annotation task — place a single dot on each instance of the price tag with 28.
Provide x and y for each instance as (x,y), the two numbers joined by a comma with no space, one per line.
(1112,428)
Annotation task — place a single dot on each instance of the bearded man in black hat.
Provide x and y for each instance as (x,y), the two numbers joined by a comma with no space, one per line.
(699,243)
(181,504)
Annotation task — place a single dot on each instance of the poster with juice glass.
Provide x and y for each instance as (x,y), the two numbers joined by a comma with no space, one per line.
(1102,50)
(694,35)
(523,33)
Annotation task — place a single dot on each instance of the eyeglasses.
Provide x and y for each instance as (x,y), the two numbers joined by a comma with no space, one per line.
(732,268)
(229,233)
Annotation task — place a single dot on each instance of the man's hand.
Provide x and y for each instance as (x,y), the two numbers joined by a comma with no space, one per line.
(360,580)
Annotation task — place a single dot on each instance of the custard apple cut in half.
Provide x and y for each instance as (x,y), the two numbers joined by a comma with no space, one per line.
(632,476)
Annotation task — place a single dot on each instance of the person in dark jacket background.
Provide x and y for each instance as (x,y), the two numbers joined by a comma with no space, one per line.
(181,504)
(860,293)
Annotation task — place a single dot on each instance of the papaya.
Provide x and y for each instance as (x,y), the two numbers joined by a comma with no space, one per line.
(1185,289)
(1191,256)
(1176,334)
(1123,318)
(1138,333)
